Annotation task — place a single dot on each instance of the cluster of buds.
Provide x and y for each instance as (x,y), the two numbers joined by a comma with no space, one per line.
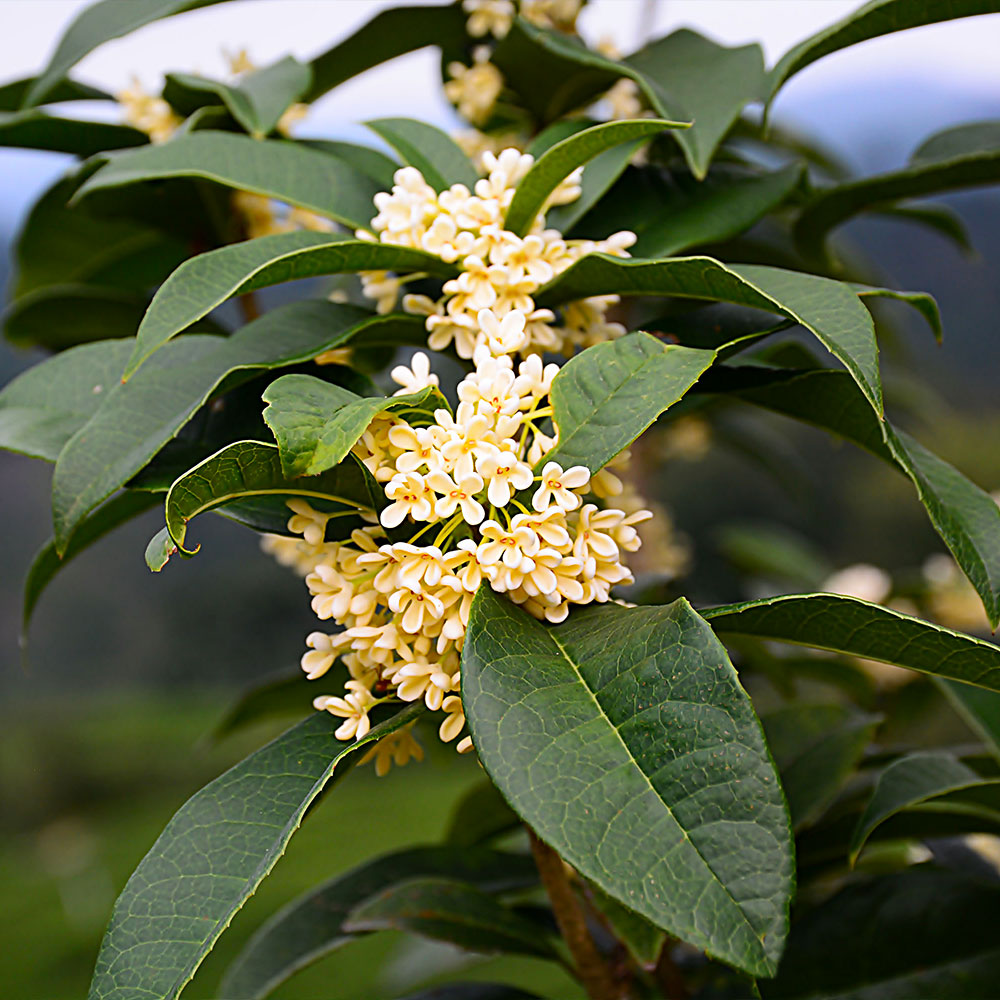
(500,271)
(482,506)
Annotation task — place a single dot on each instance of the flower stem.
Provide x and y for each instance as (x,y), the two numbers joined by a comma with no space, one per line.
(591,968)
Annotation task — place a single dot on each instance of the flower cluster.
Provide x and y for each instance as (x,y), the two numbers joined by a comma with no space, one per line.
(500,271)
(463,490)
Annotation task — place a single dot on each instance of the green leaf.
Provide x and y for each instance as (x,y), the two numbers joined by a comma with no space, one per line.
(644,940)
(941,218)
(481,814)
(964,156)
(95,25)
(252,468)
(560,160)
(284,694)
(139,417)
(375,164)
(923,302)
(45,406)
(12,94)
(313,925)
(433,152)
(257,101)
(316,424)
(445,909)
(979,708)
(61,316)
(828,309)
(212,856)
(847,625)
(389,34)
(909,781)
(881,17)
(471,991)
(688,76)
(775,553)
(288,171)
(623,737)
(919,933)
(159,550)
(47,561)
(35,129)
(816,748)
(606,396)
(208,280)
(966,517)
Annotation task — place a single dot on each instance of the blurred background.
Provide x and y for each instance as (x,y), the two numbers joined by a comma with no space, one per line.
(104,715)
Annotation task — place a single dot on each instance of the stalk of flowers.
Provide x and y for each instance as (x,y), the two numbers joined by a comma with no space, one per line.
(464,491)
(500,271)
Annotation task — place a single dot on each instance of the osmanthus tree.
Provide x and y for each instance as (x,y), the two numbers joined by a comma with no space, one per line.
(613,245)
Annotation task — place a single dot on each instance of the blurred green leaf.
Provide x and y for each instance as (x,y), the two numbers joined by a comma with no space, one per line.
(772,552)
(606,396)
(284,694)
(471,991)
(643,939)
(924,303)
(433,152)
(379,167)
(34,129)
(212,856)
(622,720)
(847,625)
(941,218)
(481,814)
(313,925)
(12,94)
(979,708)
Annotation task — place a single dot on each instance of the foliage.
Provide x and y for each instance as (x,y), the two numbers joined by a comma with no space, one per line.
(671,826)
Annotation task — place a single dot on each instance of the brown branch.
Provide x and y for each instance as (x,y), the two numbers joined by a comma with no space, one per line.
(668,976)
(249,308)
(594,973)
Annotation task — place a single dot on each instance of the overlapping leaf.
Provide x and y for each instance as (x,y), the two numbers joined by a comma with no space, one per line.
(212,856)
(34,129)
(433,152)
(847,625)
(619,736)
(606,396)
(980,708)
(12,94)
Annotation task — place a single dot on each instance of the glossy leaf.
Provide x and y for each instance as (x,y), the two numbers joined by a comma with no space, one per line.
(828,309)
(206,281)
(918,933)
(212,856)
(316,424)
(95,25)
(624,721)
(690,77)
(910,781)
(979,708)
(481,814)
(880,17)
(34,129)
(560,160)
(313,925)
(143,414)
(965,516)
(816,748)
(257,100)
(252,468)
(847,625)
(445,909)
(433,152)
(964,156)
(606,396)
(46,405)
(288,171)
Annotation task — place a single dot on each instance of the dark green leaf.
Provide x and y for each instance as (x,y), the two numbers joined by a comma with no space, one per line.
(389,34)
(606,396)
(206,281)
(920,933)
(880,17)
(941,218)
(979,708)
(643,939)
(688,76)
(35,129)
(47,562)
(964,156)
(313,925)
(372,162)
(471,991)
(288,171)
(847,625)
(445,909)
(212,856)
(909,781)
(252,468)
(481,814)
(433,152)
(61,316)
(286,694)
(316,424)
(12,94)
(143,414)
(816,748)
(924,303)
(773,553)
(828,309)
(560,160)
(45,406)
(625,721)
